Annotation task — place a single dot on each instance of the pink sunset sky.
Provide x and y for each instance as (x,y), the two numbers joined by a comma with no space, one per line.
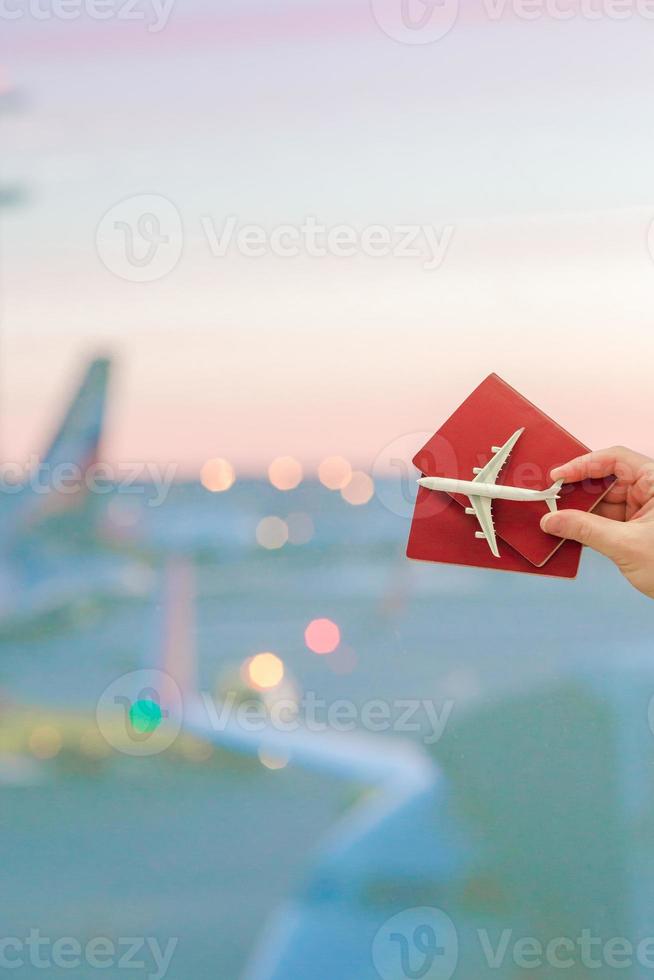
(527,142)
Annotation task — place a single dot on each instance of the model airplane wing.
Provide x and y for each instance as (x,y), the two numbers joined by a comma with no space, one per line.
(483,508)
(490,472)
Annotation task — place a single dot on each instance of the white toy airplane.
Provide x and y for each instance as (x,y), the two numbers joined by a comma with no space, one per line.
(484,489)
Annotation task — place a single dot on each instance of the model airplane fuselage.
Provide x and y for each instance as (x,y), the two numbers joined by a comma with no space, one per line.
(484,489)
(493,490)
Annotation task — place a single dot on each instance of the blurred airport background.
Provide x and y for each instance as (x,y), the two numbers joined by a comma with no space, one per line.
(253,398)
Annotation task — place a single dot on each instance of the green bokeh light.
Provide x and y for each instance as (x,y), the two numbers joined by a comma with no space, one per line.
(145,715)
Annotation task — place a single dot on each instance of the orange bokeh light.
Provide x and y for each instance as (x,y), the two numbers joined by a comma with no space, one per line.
(265,671)
(335,472)
(322,636)
(217,475)
(45,742)
(285,473)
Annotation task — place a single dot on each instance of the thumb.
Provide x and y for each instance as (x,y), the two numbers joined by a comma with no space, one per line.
(600,533)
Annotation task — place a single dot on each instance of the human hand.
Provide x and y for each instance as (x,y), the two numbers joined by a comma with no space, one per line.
(622,526)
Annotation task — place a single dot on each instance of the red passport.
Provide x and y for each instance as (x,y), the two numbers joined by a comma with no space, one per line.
(441,530)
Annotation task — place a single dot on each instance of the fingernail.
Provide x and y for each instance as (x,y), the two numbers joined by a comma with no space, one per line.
(557,472)
(551,523)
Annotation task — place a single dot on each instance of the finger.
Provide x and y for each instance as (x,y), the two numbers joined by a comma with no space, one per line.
(645,512)
(619,461)
(603,535)
(617,494)
(644,487)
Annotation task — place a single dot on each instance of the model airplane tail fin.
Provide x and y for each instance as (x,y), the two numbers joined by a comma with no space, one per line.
(553,494)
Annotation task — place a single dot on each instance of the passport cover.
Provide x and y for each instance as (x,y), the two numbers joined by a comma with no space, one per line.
(488,417)
(449,537)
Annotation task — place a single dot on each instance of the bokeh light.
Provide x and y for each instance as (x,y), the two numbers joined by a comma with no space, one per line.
(285,473)
(196,750)
(272,762)
(217,475)
(322,636)
(359,490)
(272,533)
(335,472)
(300,528)
(264,671)
(145,715)
(45,742)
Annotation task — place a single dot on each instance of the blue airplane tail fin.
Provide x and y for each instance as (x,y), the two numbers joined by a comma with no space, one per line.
(77,439)
(73,449)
